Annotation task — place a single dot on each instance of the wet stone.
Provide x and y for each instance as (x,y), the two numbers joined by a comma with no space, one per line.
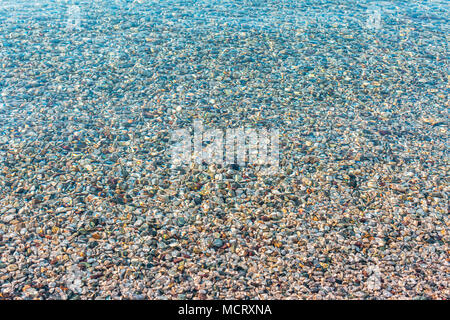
(93,207)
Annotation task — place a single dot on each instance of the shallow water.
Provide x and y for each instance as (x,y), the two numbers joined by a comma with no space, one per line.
(91,93)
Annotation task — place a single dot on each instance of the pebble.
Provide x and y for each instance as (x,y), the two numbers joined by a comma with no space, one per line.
(218,243)
(90,207)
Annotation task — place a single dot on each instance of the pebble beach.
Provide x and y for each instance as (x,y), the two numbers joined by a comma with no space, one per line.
(91,207)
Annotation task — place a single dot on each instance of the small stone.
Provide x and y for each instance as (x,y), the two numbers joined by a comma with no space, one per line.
(96,236)
(138,222)
(8,218)
(13,267)
(217,243)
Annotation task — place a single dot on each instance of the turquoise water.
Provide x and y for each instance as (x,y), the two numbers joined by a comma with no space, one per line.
(90,94)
